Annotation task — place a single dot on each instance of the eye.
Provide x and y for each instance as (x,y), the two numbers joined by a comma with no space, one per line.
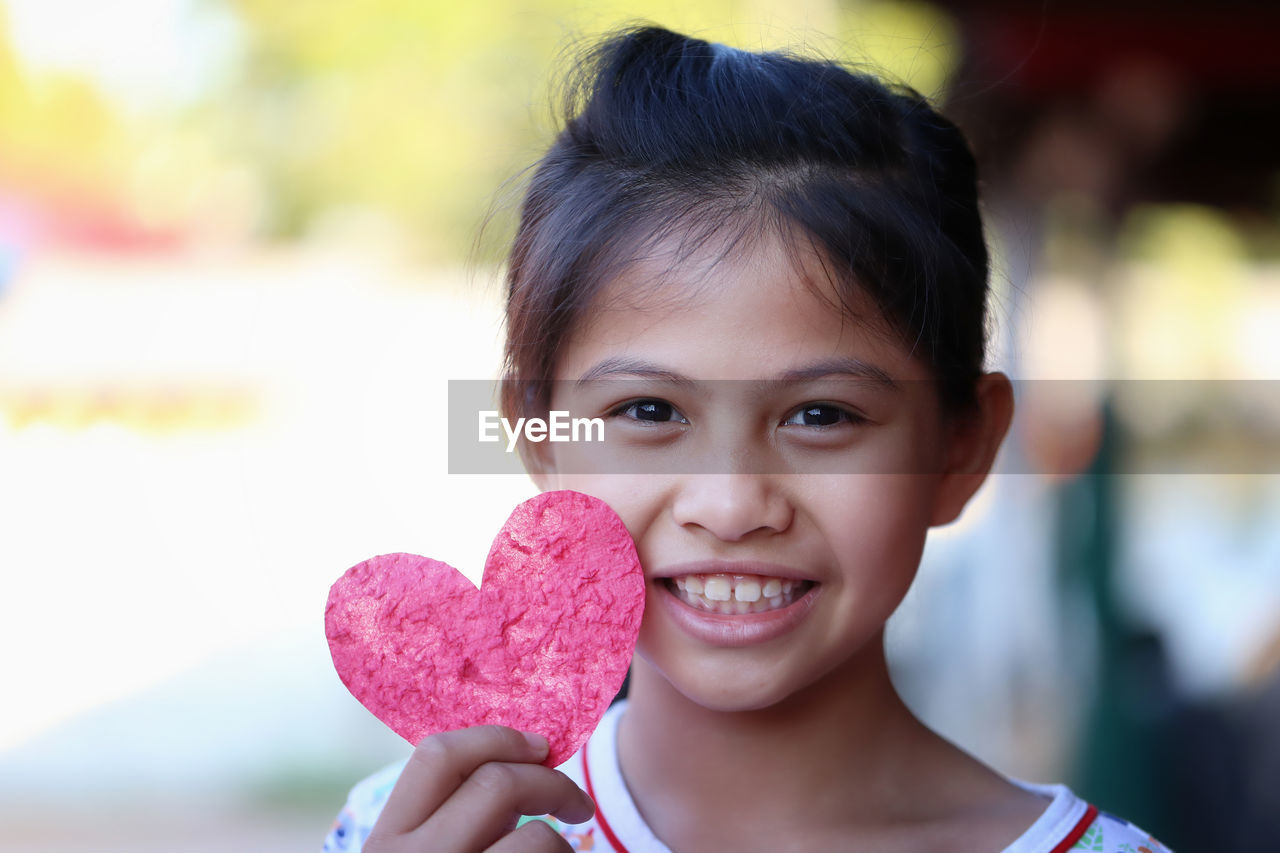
(650,411)
(821,415)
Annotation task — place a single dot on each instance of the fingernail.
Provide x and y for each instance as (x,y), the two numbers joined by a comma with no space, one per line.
(537,742)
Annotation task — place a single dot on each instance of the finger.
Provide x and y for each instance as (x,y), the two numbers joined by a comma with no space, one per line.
(488,804)
(442,762)
(536,836)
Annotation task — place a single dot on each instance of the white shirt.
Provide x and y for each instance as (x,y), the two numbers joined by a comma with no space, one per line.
(1067,823)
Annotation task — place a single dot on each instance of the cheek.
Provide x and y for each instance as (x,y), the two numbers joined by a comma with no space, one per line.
(636,498)
(880,518)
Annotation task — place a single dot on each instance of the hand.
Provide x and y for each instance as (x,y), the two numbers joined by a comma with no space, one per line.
(463,791)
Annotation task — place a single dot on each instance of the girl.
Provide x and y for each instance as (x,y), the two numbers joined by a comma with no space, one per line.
(768,275)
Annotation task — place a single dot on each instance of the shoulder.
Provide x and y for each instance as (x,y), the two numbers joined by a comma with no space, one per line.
(1110,834)
(1070,823)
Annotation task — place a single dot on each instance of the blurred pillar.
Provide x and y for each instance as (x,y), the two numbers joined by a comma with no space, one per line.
(1124,754)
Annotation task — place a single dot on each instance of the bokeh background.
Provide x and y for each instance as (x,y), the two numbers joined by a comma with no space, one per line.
(239,263)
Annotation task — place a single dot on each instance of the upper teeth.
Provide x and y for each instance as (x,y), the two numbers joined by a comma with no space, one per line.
(712,592)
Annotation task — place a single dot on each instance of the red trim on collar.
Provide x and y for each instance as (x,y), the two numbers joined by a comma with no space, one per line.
(605,829)
(1076,831)
(1063,846)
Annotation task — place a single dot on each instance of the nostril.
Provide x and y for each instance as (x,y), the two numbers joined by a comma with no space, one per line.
(732,507)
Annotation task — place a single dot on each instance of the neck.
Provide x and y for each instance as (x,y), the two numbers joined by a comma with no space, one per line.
(836,750)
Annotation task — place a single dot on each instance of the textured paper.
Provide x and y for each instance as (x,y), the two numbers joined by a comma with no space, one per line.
(542,646)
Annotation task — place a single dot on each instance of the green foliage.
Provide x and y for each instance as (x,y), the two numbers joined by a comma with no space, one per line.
(409,114)
(423,109)
(415,109)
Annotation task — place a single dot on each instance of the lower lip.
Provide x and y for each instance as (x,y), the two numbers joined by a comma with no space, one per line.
(724,629)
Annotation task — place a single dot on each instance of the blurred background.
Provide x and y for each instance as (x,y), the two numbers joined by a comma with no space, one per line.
(239,262)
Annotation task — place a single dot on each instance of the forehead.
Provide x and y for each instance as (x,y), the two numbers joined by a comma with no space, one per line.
(739,305)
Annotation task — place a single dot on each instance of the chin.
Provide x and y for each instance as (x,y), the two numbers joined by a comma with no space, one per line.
(733,703)
(722,692)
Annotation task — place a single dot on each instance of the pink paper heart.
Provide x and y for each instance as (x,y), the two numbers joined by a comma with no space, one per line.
(542,646)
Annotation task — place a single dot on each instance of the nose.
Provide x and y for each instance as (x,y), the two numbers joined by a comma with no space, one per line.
(732,506)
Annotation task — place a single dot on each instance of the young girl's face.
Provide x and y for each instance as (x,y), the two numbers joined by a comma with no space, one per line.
(761,447)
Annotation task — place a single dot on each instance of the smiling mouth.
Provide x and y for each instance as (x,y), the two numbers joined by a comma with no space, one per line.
(737,594)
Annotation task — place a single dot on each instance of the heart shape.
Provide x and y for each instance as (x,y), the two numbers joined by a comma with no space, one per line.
(542,646)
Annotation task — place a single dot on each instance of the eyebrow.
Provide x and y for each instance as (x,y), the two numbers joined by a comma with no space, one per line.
(852,367)
(834,367)
(618,365)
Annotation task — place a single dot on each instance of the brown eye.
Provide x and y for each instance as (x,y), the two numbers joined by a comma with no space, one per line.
(820,415)
(652,411)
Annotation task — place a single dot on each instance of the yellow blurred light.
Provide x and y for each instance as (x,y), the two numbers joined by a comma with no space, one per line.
(914,42)
(1255,348)
(142,409)
(1179,295)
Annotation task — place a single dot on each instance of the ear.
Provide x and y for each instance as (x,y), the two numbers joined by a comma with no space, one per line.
(973,441)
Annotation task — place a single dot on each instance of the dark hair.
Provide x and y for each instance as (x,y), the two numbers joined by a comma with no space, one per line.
(665,134)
